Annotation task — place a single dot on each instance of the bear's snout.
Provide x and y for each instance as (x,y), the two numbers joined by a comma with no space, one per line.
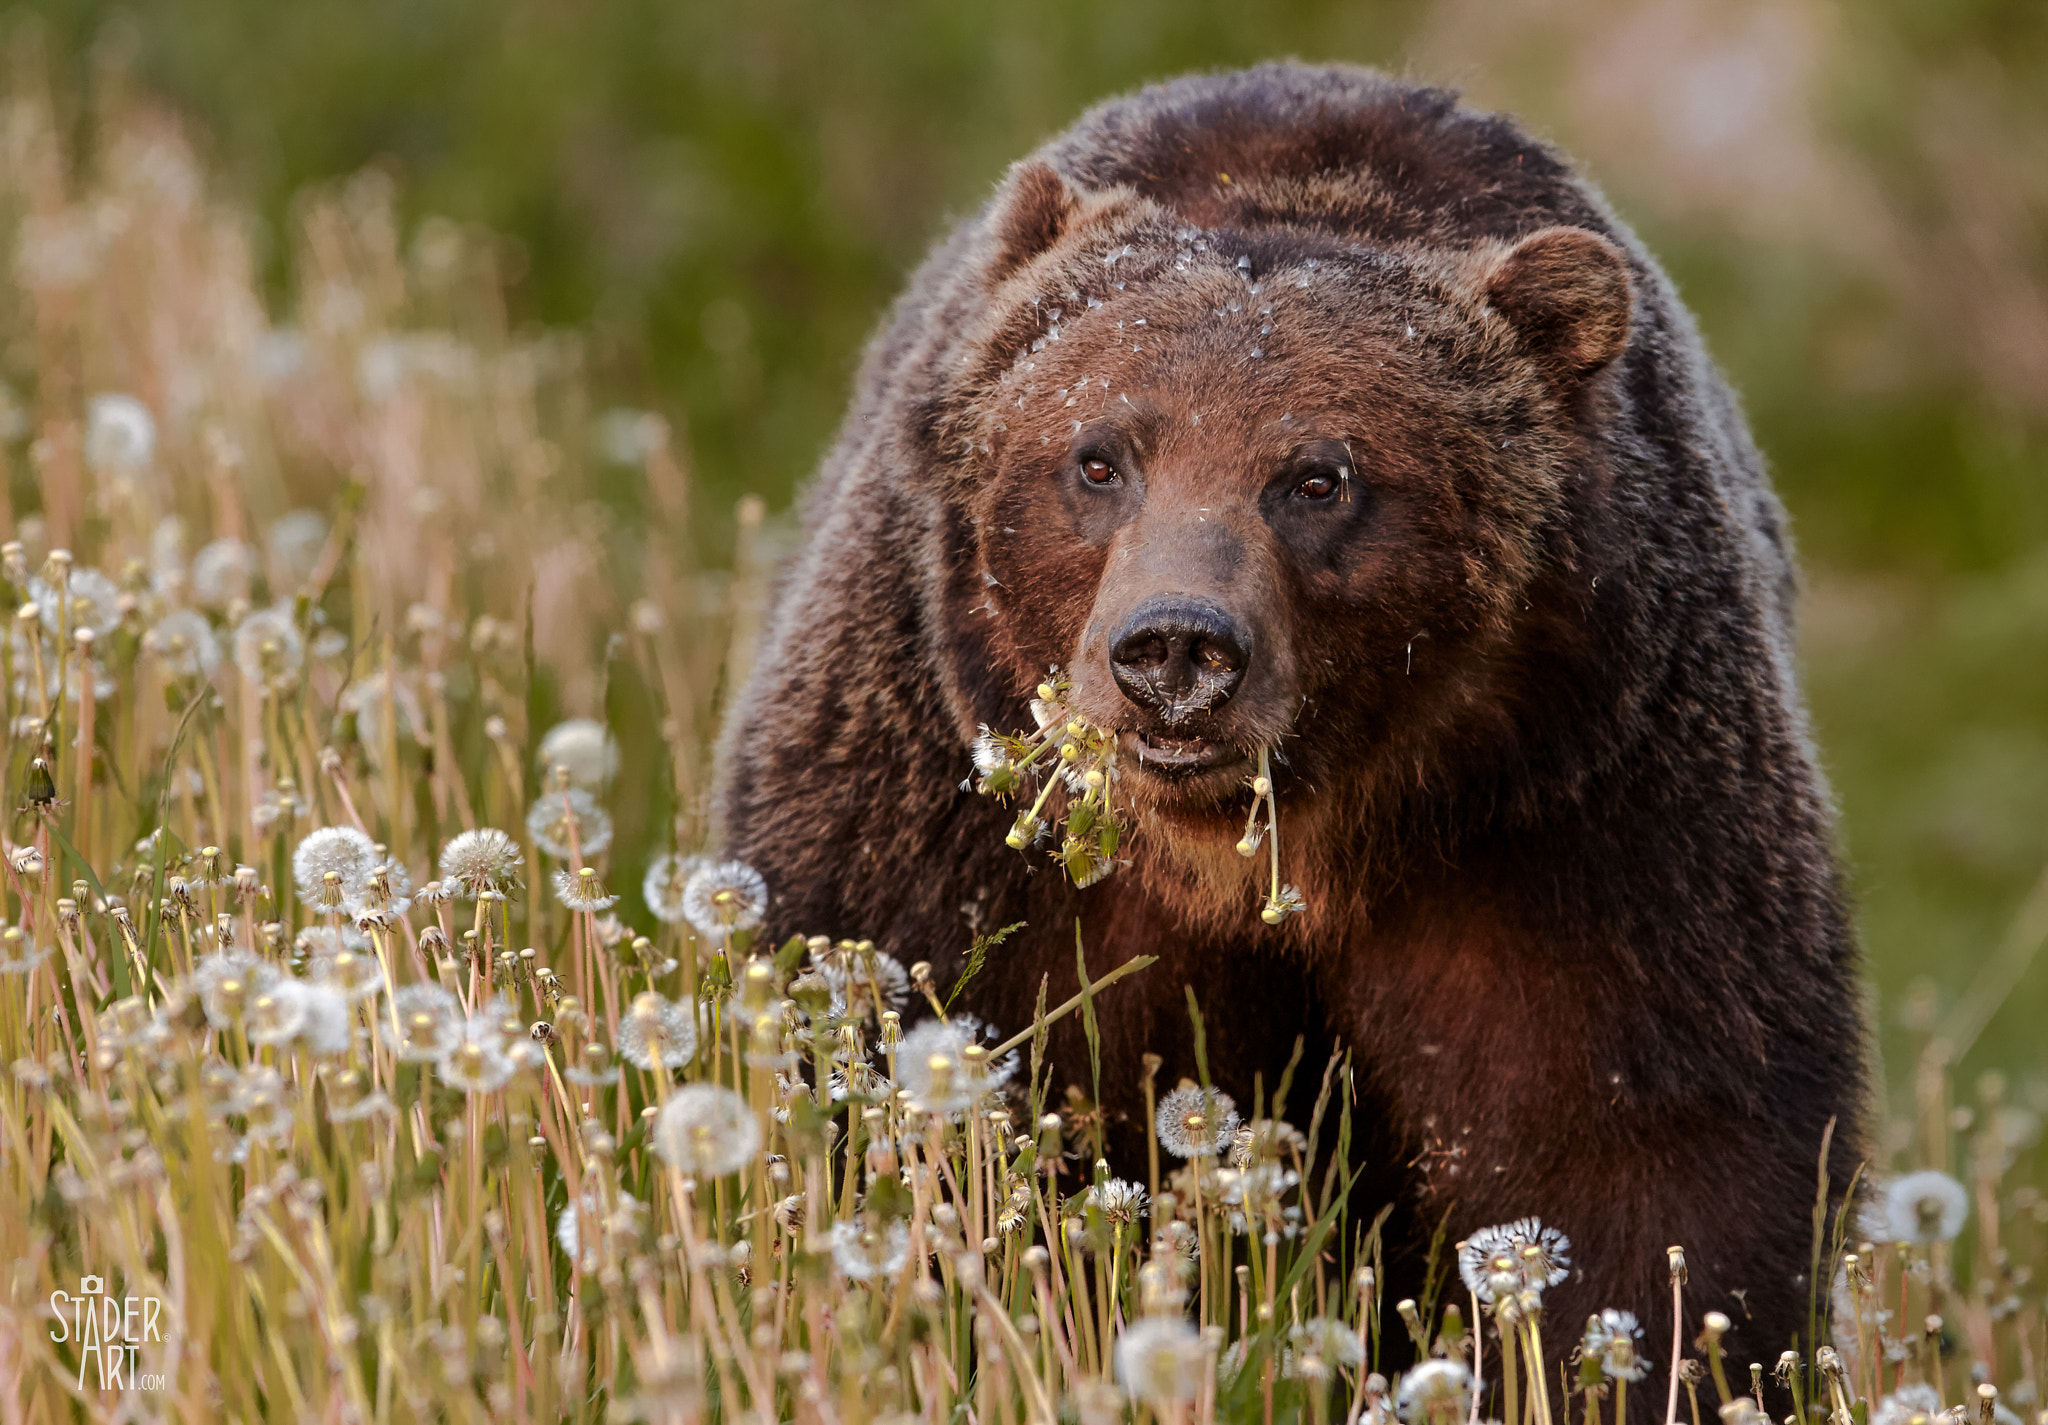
(1179,657)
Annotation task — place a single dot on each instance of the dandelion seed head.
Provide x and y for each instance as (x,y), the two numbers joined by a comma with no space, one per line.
(1120,1201)
(559,818)
(658,1029)
(1483,1249)
(935,1069)
(706,1131)
(227,980)
(854,986)
(294,544)
(1913,1400)
(120,434)
(583,892)
(1158,1360)
(267,646)
(1434,1393)
(1924,1208)
(668,875)
(723,898)
(430,1022)
(184,643)
(223,572)
(480,860)
(338,851)
(582,748)
(1194,1123)
(864,1253)
(88,600)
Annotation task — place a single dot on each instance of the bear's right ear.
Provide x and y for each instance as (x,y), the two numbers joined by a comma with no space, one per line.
(1568,294)
(1030,215)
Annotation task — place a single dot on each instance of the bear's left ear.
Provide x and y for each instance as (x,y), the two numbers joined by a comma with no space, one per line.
(1029,215)
(1567,292)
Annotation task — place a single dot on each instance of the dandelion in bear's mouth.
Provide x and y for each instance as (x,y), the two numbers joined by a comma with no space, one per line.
(1281,900)
(1066,753)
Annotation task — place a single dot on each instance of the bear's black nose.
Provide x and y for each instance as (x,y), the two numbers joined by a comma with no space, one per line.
(1179,657)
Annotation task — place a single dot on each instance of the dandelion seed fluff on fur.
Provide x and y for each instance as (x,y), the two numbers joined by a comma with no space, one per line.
(1194,1123)
(558,818)
(481,860)
(1925,1207)
(1158,1360)
(668,875)
(725,897)
(707,1131)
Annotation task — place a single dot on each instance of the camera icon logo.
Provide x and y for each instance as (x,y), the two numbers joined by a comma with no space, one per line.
(91,1286)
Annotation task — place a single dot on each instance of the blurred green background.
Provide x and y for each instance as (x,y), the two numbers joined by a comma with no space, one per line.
(1854,197)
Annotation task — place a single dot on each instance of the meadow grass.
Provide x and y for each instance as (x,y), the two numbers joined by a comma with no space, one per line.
(380,1043)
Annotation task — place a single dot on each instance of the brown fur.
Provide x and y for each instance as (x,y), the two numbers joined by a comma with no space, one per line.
(1546,786)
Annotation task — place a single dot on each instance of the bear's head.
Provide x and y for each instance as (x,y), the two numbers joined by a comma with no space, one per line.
(1254,482)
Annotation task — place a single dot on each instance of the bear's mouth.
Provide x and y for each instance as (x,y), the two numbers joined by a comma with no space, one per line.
(1178,756)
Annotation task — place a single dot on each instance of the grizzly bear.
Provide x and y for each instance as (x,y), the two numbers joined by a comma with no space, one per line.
(1304,409)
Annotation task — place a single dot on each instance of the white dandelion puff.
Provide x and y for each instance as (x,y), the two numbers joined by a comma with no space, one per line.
(582,748)
(660,1030)
(223,572)
(1925,1207)
(267,646)
(89,600)
(481,860)
(725,897)
(1495,1260)
(1158,1360)
(430,1022)
(227,980)
(1120,1202)
(573,815)
(668,876)
(120,434)
(707,1131)
(1614,1338)
(184,644)
(294,544)
(1434,1393)
(934,1067)
(1196,1123)
(583,892)
(342,850)
(863,1253)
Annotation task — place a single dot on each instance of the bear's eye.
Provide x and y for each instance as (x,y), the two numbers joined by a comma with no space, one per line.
(1320,486)
(1097,471)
